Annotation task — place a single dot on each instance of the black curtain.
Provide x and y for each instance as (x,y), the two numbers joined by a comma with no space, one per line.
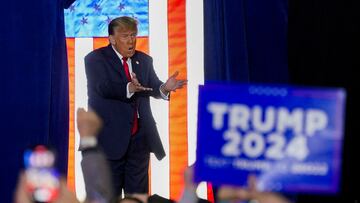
(246,40)
(324,51)
(34,84)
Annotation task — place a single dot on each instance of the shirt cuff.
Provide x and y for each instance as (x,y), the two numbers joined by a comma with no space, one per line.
(87,142)
(164,96)
(128,94)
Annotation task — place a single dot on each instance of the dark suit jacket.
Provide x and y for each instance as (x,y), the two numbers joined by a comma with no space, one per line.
(106,84)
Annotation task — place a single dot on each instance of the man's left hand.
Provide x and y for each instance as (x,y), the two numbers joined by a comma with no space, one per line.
(172,84)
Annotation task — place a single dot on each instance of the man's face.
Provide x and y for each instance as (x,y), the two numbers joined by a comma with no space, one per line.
(124,41)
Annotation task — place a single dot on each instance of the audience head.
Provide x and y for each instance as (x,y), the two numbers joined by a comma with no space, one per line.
(130,199)
(227,193)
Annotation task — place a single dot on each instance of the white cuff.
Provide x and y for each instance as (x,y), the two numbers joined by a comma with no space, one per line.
(164,96)
(88,142)
(128,94)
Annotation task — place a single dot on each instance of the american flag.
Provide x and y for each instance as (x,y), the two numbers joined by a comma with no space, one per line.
(171,31)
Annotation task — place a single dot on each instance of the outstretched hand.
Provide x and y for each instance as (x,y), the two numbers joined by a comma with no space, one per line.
(172,84)
(135,85)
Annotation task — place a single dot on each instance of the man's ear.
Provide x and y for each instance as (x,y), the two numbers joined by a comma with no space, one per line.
(112,40)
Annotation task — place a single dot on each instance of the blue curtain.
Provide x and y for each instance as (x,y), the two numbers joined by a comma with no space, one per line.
(246,40)
(33,84)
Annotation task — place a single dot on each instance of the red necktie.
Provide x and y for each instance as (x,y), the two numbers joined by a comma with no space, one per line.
(134,128)
(126,68)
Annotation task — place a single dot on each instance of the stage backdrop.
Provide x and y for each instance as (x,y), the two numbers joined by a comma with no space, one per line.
(33,84)
(240,41)
(171,31)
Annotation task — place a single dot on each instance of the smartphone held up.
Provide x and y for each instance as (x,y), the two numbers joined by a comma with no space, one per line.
(42,179)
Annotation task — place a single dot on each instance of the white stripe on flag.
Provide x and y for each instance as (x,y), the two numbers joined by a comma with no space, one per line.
(82,47)
(195,67)
(158,44)
(195,75)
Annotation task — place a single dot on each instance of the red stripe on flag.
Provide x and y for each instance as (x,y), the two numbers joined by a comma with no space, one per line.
(100,42)
(142,44)
(178,101)
(210,193)
(70,43)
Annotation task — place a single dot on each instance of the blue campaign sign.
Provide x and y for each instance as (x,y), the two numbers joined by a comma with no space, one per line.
(289,137)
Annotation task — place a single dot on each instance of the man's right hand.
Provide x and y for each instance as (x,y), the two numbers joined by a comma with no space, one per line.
(135,86)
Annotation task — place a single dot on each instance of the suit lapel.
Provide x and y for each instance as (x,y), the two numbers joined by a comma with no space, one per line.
(115,61)
(135,63)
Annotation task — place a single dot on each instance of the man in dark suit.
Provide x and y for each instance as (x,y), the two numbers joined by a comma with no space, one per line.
(120,81)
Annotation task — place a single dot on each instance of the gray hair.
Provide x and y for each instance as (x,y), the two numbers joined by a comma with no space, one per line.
(123,22)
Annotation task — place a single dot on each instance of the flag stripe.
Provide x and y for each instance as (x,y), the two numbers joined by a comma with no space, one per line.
(210,193)
(178,102)
(158,44)
(82,47)
(142,44)
(70,43)
(100,42)
(195,64)
(195,75)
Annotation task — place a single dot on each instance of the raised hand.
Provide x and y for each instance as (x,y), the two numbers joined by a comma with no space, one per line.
(172,84)
(135,85)
(88,123)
